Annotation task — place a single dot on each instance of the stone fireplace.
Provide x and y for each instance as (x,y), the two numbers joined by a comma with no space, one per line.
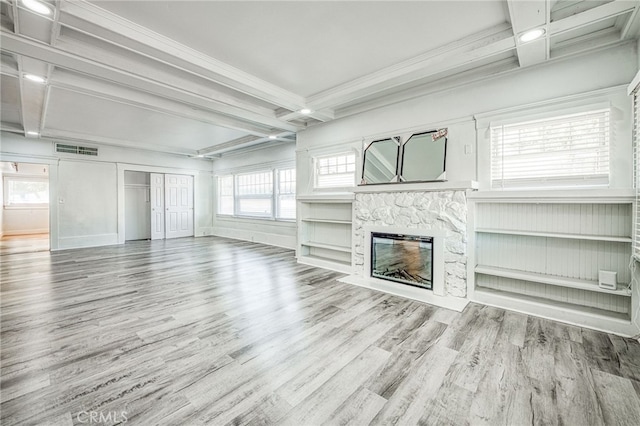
(440,215)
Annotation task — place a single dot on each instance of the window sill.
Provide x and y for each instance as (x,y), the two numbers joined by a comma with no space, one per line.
(255,218)
(25,207)
(555,195)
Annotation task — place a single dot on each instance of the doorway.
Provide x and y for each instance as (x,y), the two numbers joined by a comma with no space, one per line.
(24,210)
(158,206)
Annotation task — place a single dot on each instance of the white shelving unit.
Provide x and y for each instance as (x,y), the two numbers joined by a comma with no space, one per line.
(540,253)
(324,237)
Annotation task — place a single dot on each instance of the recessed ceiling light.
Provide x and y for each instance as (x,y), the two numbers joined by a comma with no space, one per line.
(37,7)
(532,35)
(32,133)
(273,137)
(35,78)
(305,111)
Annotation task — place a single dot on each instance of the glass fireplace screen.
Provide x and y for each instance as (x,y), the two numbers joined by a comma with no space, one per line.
(406,259)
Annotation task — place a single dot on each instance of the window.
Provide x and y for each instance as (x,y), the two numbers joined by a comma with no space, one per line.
(286,194)
(562,151)
(225,194)
(25,191)
(267,194)
(255,194)
(636,168)
(337,171)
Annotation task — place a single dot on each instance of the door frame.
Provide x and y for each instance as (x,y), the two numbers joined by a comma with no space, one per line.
(53,190)
(121,167)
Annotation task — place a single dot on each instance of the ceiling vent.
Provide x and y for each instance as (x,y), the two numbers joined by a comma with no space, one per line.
(75,149)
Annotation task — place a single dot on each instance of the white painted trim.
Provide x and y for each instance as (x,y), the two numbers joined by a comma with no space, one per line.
(524,112)
(27,232)
(564,314)
(284,241)
(417,187)
(634,85)
(328,197)
(605,196)
(325,264)
(414,293)
(86,241)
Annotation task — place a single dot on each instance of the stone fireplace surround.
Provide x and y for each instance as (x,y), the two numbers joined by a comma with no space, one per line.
(440,213)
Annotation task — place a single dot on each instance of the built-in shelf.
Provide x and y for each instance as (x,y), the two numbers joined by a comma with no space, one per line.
(324,223)
(550,279)
(556,235)
(527,244)
(327,246)
(342,222)
(581,316)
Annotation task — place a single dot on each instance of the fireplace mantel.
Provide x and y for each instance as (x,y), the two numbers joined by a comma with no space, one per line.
(416,187)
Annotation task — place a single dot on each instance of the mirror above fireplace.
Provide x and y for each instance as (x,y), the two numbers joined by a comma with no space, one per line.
(421,157)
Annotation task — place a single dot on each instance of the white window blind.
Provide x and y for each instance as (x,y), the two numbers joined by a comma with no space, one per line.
(286,198)
(636,168)
(336,171)
(225,194)
(566,150)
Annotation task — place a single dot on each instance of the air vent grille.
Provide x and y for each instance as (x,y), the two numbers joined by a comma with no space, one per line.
(74,149)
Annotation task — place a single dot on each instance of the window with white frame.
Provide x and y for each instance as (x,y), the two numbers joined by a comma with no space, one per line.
(254,194)
(286,198)
(225,194)
(22,191)
(567,150)
(266,194)
(335,171)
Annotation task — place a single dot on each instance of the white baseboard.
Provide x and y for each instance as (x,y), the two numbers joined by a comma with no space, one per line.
(25,232)
(284,241)
(421,295)
(65,243)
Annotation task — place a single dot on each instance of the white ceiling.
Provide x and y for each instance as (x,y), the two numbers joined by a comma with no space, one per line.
(206,77)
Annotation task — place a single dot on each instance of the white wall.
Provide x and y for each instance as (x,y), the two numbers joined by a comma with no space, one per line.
(87,194)
(24,220)
(455,109)
(274,232)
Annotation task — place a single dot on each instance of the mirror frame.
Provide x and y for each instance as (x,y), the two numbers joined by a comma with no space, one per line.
(398,178)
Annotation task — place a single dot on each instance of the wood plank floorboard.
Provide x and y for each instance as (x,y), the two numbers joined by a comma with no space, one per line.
(218,331)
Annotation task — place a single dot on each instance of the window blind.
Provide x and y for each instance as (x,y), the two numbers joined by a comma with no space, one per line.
(566,150)
(636,168)
(338,171)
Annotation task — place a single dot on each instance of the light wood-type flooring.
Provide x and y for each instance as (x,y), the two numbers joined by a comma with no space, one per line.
(217,331)
(12,244)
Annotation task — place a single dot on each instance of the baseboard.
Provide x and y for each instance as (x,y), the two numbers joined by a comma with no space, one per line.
(25,232)
(65,243)
(449,302)
(284,241)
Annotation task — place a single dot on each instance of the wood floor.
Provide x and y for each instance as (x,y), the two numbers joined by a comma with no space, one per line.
(216,331)
(12,244)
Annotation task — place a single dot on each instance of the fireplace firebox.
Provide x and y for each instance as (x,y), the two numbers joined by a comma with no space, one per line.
(406,259)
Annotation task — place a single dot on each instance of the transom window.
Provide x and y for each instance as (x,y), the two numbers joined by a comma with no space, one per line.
(336,171)
(567,150)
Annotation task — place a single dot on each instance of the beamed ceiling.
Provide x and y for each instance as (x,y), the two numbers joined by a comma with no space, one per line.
(208,77)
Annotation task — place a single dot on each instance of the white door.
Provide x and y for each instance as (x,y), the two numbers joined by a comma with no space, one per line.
(157,206)
(178,206)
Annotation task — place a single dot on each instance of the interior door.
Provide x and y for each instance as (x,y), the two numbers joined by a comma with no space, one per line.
(157,206)
(178,206)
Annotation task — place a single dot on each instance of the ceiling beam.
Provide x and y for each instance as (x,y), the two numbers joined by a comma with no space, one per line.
(88,16)
(478,47)
(591,16)
(59,58)
(104,90)
(524,16)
